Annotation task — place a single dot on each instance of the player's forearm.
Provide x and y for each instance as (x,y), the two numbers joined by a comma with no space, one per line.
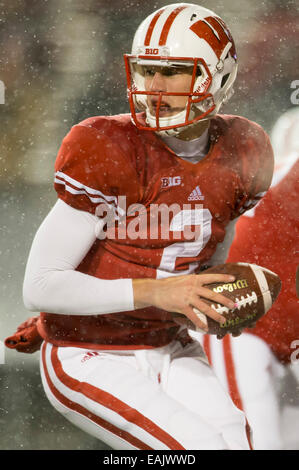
(72,292)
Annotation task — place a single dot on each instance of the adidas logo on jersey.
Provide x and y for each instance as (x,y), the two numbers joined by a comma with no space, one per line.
(196,195)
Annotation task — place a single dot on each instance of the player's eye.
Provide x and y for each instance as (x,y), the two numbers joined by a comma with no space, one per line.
(149,71)
(170,71)
(179,70)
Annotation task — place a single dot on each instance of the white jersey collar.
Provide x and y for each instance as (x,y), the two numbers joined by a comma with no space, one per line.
(191,150)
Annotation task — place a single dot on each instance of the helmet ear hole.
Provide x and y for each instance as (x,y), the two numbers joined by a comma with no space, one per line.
(224,79)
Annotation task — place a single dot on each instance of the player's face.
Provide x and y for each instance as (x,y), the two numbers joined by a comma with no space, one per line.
(167,79)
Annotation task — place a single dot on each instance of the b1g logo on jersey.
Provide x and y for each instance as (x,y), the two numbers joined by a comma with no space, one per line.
(169,181)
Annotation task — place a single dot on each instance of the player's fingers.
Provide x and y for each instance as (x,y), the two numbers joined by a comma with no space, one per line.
(204,279)
(216,297)
(203,307)
(195,318)
(182,320)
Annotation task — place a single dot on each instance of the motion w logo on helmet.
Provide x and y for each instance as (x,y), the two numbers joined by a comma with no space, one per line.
(215,32)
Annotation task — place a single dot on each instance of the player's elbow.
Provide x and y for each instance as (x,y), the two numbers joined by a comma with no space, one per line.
(30,298)
(34,295)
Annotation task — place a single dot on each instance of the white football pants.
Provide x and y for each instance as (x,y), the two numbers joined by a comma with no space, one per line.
(155,399)
(249,371)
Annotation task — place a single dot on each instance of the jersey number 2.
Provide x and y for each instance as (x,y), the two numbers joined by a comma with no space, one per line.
(201,218)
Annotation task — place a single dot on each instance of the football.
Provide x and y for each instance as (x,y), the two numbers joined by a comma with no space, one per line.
(254,290)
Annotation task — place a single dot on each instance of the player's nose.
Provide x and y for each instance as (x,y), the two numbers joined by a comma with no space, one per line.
(158,82)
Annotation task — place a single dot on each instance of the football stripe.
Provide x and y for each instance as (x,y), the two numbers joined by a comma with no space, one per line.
(263,285)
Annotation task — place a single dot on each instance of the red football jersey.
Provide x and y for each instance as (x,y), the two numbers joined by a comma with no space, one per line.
(106,162)
(271,239)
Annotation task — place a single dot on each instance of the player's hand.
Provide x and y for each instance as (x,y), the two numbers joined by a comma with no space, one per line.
(180,294)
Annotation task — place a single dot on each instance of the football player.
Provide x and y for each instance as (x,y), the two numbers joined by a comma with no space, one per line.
(268,236)
(144,200)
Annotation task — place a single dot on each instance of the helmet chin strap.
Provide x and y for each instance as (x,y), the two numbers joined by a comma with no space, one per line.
(178,118)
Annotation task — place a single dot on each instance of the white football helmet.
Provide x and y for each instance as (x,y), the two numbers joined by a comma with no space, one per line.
(188,35)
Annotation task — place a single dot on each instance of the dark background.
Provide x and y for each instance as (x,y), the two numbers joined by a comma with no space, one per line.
(61,62)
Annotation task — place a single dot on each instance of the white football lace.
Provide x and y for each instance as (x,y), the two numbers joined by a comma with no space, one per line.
(242,302)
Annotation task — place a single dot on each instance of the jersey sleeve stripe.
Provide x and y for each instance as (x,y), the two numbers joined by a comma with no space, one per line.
(87,189)
(117,211)
(95,196)
(79,191)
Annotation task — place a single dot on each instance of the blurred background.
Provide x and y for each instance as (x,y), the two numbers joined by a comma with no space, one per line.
(61,62)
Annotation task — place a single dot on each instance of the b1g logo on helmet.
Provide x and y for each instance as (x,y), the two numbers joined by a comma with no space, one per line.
(215,32)
(150,51)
